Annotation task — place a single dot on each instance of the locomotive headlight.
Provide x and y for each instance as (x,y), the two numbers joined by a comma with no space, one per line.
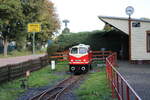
(84,60)
(72,68)
(71,59)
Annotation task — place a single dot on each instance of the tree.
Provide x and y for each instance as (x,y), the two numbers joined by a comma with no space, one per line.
(10,20)
(43,12)
(16,14)
(66,30)
(49,21)
(107,27)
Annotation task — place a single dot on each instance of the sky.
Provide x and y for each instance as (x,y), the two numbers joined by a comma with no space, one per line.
(83,14)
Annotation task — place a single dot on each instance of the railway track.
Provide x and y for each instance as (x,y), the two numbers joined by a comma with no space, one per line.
(58,90)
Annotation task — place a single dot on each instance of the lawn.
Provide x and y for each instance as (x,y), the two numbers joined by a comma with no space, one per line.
(95,87)
(11,90)
(21,53)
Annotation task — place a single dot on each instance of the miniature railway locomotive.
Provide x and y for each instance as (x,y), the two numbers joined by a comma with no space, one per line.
(80,58)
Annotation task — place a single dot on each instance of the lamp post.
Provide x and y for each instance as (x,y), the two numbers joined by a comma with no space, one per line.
(129,12)
(66,22)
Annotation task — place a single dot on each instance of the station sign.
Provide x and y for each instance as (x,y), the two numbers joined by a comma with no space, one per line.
(34,27)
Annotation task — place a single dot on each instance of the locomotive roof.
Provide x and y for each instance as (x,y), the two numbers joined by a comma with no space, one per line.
(82,45)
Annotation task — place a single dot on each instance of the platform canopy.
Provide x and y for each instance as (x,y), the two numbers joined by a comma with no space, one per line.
(120,23)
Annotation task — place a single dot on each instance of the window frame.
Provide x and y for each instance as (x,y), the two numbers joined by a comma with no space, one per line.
(80,48)
(73,52)
(148,41)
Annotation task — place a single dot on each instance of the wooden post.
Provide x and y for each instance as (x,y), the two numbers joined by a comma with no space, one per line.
(129,24)
(9,72)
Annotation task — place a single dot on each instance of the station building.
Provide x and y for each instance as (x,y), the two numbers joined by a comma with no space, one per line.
(138,44)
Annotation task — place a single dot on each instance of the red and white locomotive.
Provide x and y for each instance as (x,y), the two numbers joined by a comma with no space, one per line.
(80,58)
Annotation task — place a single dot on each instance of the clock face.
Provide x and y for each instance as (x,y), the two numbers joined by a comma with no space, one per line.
(129,10)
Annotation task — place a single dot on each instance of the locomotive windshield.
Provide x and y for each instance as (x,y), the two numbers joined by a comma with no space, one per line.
(82,50)
(74,50)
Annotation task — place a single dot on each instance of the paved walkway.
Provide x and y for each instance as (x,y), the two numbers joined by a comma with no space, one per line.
(138,77)
(15,60)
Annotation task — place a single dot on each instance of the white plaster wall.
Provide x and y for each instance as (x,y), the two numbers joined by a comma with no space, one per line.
(138,42)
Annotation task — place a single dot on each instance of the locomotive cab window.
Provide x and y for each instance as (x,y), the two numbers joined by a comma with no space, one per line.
(74,50)
(82,50)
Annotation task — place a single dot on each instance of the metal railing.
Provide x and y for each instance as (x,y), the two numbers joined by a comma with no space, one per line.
(120,88)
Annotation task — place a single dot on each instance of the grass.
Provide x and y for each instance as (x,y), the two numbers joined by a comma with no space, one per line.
(20,53)
(95,87)
(11,90)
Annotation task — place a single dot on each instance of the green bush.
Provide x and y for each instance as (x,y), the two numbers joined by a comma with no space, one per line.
(90,38)
(111,40)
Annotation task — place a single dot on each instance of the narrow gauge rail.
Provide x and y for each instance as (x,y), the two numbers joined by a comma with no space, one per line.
(55,92)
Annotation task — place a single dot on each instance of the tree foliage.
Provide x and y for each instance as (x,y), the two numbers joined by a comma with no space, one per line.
(67,40)
(16,14)
(110,40)
(11,20)
(49,21)
(107,27)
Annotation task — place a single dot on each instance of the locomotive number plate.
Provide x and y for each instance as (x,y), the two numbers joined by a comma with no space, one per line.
(77,60)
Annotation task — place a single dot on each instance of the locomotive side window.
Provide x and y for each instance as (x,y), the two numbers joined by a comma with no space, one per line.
(82,50)
(74,50)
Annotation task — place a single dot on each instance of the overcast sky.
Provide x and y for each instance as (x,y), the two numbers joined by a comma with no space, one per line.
(82,14)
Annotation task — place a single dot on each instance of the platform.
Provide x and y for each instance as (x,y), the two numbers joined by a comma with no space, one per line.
(138,76)
(15,60)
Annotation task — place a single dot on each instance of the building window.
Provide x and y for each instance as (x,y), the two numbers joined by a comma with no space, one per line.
(148,41)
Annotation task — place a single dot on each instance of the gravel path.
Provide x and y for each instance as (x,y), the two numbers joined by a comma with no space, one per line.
(138,77)
(15,60)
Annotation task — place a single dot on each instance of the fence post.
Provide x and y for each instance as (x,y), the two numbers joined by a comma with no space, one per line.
(122,89)
(127,93)
(117,83)
(30,67)
(113,94)
(41,65)
(9,72)
(108,73)
(118,86)
(112,81)
(106,69)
